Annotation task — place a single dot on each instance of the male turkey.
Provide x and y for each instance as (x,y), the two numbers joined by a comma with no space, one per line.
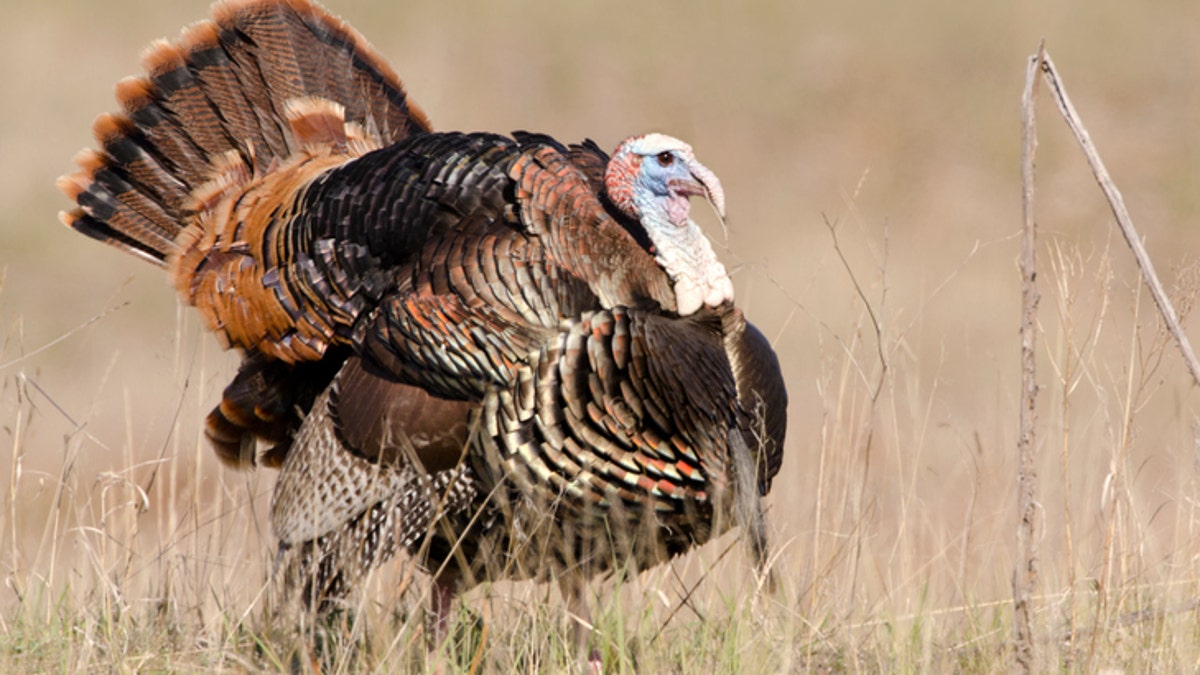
(511,357)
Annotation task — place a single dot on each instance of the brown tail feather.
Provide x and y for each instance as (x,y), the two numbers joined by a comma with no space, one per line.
(224,89)
(265,401)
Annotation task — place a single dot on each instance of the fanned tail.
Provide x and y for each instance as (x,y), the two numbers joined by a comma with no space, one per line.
(236,95)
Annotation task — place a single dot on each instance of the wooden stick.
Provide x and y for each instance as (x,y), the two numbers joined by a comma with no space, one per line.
(1025,575)
(1123,220)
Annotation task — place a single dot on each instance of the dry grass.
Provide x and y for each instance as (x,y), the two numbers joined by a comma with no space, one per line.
(124,547)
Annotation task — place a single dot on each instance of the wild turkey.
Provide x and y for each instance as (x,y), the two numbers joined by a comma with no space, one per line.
(511,357)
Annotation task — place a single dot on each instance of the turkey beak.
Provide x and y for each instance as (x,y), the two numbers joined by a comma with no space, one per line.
(710,187)
(701,183)
(705,183)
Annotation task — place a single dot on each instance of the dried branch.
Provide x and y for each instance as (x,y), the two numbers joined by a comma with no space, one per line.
(1025,575)
(1122,215)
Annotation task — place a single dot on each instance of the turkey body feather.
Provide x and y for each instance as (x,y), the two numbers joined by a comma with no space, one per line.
(511,357)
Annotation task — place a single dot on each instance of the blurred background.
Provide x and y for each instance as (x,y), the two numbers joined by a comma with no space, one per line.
(894,125)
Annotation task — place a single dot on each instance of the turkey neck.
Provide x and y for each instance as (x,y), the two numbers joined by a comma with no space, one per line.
(560,196)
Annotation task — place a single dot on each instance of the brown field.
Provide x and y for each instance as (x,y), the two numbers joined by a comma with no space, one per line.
(125,547)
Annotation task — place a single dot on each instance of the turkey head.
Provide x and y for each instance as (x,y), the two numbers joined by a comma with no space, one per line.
(651,179)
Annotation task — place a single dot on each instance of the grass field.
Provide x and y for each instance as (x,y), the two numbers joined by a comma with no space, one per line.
(870,156)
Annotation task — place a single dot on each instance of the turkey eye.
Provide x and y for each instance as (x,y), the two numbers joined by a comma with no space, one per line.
(665,159)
